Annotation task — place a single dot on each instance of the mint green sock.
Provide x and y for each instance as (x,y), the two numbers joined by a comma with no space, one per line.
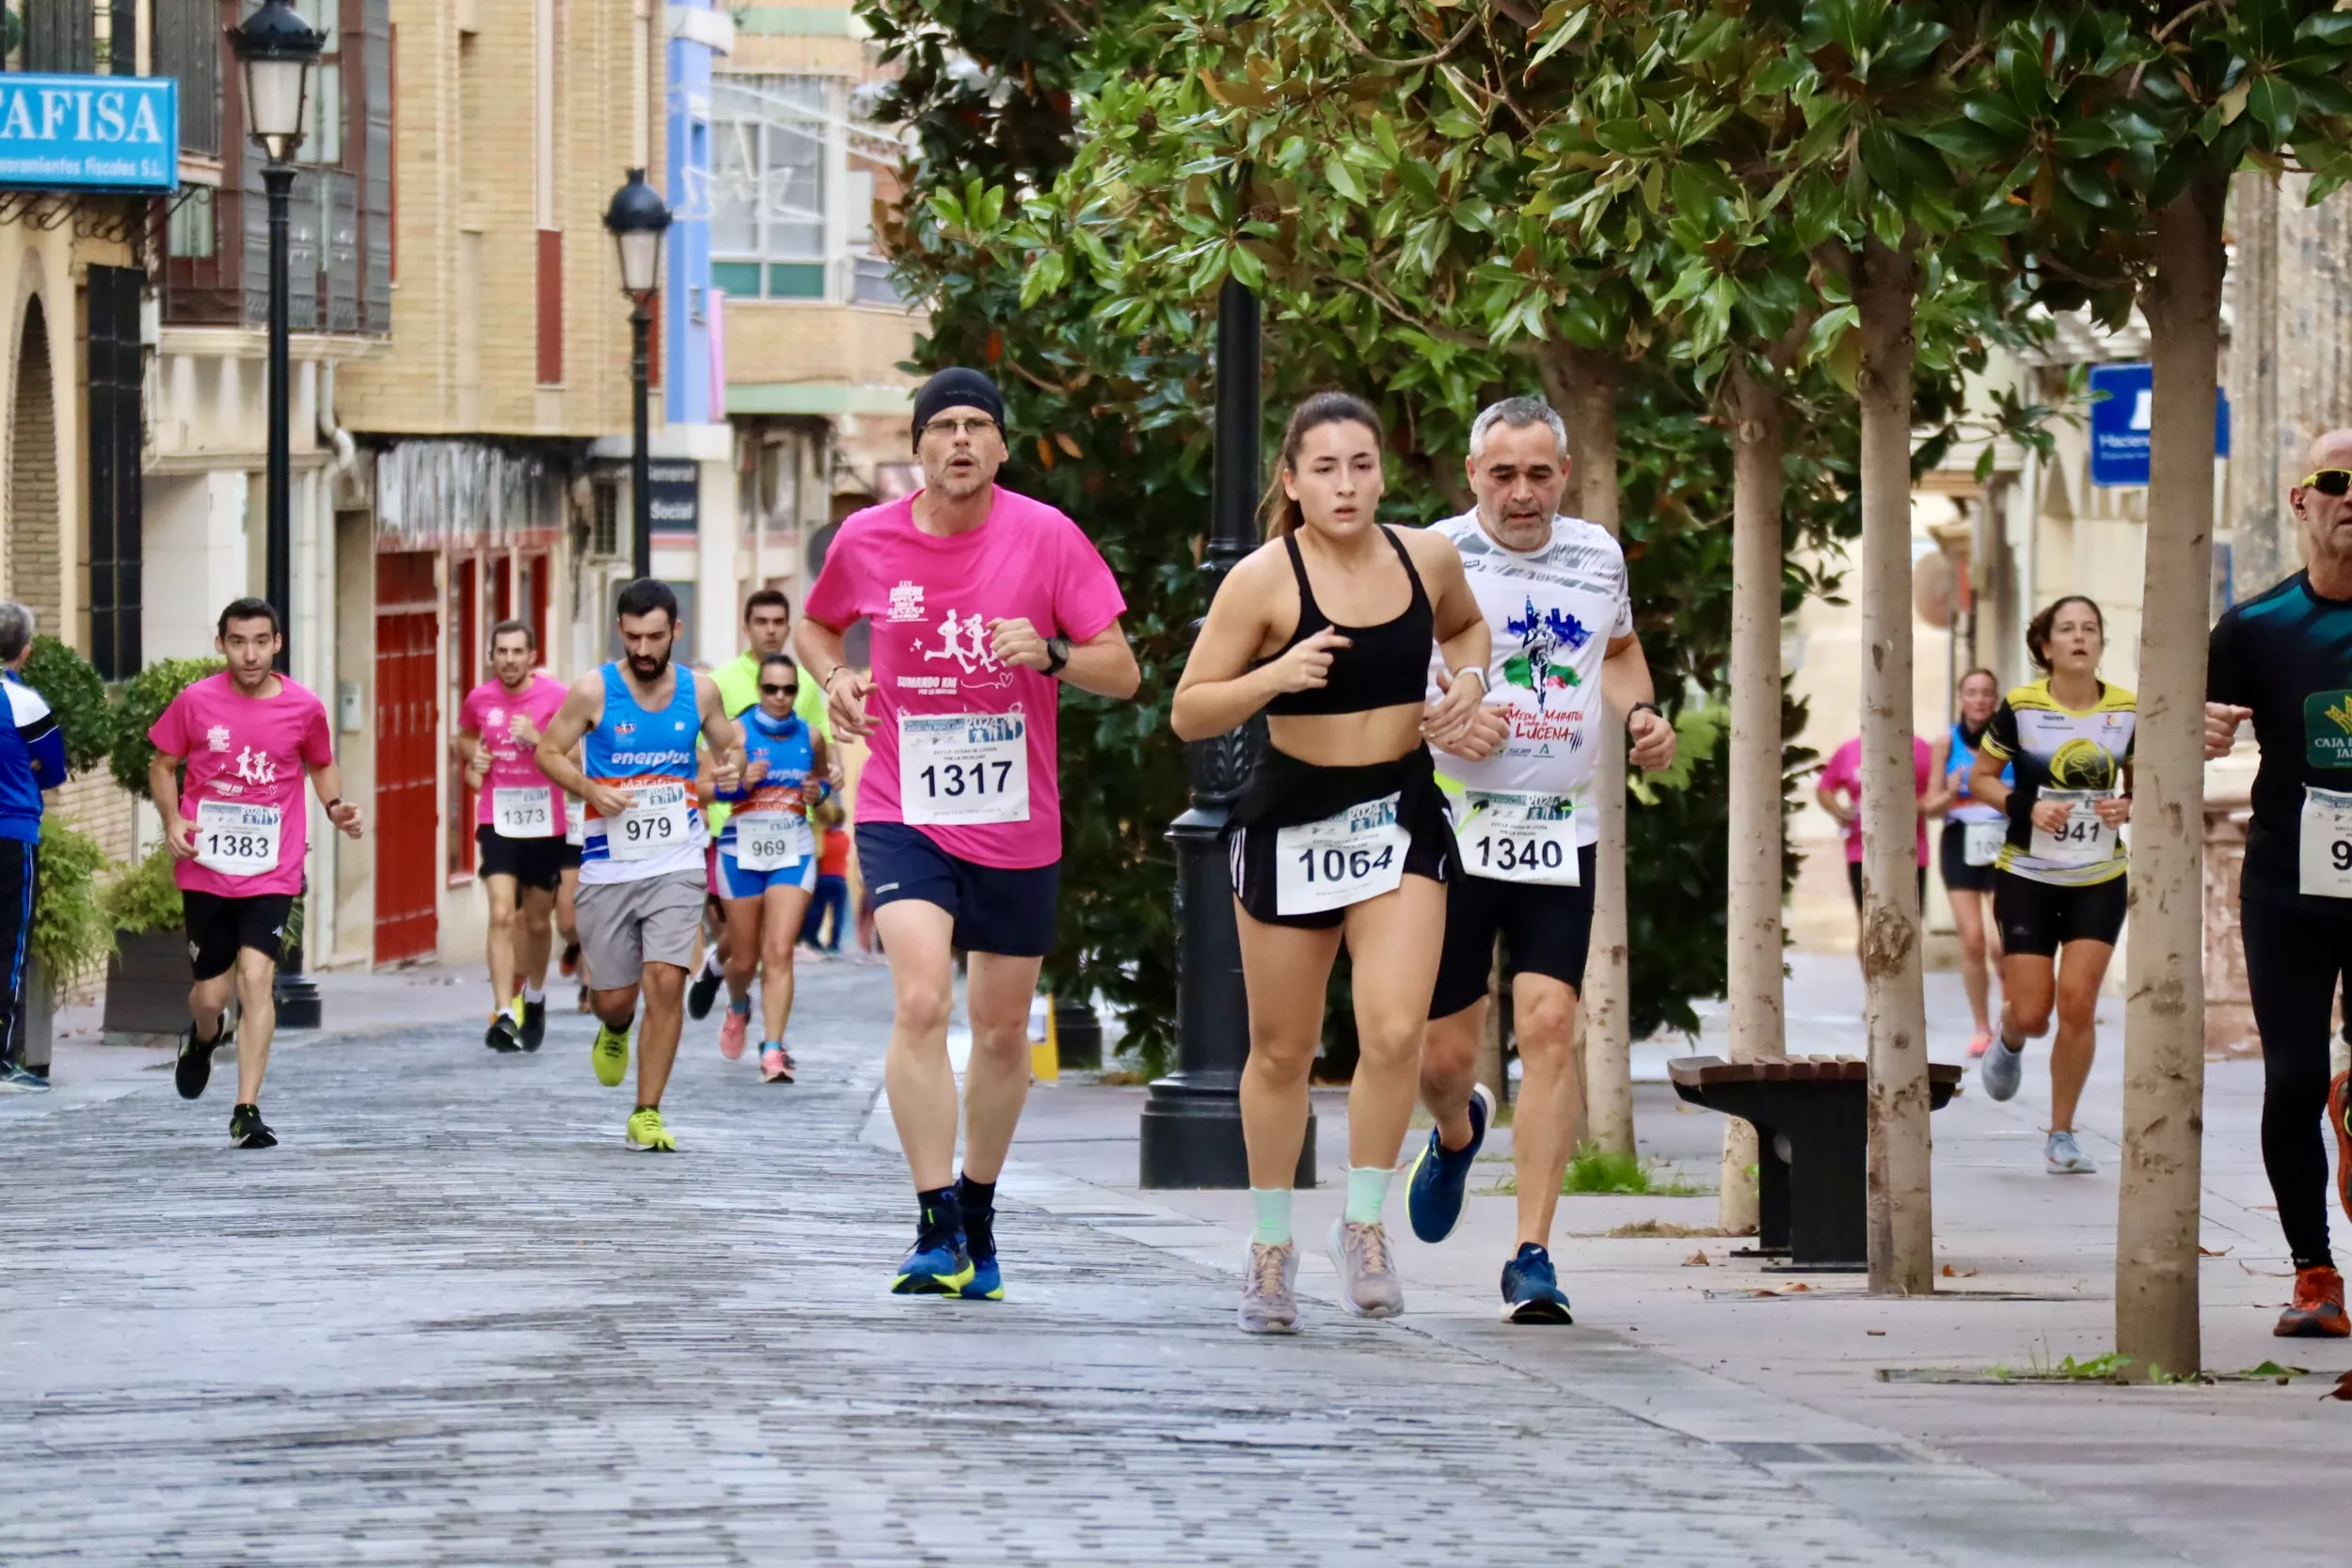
(1273,1215)
(1367,1193)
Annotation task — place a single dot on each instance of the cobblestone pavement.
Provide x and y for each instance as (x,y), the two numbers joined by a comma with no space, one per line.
(450,1321)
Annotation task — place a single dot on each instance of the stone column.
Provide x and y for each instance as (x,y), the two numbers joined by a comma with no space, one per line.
(2288,366)
(2228,1008)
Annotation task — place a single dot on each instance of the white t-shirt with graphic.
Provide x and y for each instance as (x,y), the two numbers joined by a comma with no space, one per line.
(1553,613)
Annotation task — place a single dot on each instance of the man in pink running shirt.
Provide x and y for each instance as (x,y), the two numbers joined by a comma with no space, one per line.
(521,848)
(982,603)
(238,832)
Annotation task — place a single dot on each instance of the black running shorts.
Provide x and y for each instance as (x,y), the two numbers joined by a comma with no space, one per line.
(531,862)
(1545,930)
(218,926)
(2039,918)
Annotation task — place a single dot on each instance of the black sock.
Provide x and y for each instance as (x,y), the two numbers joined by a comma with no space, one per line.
(940,1218)
(978,1199)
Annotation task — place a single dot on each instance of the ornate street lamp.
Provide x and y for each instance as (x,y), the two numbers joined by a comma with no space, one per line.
(1191,1129)
(277,50)
(638,220)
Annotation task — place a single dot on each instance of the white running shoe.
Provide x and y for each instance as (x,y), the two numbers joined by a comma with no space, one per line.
(2064,1157)
(2002,1069)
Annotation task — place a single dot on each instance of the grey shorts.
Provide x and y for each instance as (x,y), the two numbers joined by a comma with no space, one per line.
(626,926)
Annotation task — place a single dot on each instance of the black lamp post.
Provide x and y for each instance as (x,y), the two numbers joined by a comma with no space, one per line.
(276,48)
(638,220)
(1191,1134)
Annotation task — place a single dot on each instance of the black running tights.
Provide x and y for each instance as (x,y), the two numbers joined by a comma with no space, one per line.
(2293,960)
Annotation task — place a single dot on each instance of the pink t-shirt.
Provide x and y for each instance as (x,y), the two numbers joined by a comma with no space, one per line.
(931,600)
(489,711)
(1845,772)
(246,752)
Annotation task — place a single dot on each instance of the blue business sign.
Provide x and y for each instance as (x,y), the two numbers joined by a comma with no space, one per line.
(89,133)
(2122,398)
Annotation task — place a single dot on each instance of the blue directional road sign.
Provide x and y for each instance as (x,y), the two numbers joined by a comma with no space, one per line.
(2122,398)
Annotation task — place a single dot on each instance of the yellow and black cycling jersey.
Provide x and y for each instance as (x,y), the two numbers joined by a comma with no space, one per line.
(2055,748)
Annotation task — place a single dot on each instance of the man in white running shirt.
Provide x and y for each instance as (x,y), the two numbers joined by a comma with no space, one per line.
(1566,660)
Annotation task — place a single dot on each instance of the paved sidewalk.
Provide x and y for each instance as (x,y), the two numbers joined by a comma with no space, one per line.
(2242,1472)
(451,1321)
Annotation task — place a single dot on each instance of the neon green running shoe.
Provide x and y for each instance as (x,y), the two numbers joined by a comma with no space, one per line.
(610,1055)
(646,1136)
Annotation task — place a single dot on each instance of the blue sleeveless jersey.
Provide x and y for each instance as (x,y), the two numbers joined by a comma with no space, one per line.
(630,746)
(784,746)
(1963,762)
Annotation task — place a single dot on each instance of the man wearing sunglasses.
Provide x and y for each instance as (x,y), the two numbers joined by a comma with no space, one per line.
(983,604)
(767,629)
(2284,660)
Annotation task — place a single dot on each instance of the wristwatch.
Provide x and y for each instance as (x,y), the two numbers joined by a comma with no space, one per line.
(1056,655)
(1639,707)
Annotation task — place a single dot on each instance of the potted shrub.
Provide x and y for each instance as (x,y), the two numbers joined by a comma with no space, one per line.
(147,979)
(72,932)
(71,686)
(147,974)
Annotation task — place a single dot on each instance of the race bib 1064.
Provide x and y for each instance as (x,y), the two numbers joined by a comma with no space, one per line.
(1515,837)
(1344,858)
(1980,842)
(963,767)
(237,840)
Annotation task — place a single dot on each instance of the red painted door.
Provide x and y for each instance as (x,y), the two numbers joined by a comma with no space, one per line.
(407,741)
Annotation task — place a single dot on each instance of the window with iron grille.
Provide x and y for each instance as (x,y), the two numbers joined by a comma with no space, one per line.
(604,533)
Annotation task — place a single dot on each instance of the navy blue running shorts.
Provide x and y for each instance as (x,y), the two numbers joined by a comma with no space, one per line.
(995,909)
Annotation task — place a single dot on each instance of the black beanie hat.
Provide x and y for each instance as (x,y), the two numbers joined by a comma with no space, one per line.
(957,387)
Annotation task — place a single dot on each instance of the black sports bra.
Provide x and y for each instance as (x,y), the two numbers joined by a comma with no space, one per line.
(1382,666)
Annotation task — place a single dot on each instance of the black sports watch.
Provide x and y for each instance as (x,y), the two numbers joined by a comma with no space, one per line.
(1056,655)
(1641,708)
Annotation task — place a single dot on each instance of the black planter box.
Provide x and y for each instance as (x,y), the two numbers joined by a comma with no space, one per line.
(147,987)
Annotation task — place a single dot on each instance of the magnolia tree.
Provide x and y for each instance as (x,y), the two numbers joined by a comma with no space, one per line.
(1439,208)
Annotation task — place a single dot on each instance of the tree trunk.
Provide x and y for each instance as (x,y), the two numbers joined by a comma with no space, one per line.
(2164,1021)
(1753,917)
(1902,1232)
(1589,404)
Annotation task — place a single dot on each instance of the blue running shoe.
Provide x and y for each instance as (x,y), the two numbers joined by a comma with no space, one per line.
(1441,1176)
(986,1282)
(939,1271)
(1530,1291)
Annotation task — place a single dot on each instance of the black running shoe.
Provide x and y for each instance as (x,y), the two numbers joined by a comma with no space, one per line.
(246,1129)
(504,1034)
(194,1070)
(535,1024)
(701,993)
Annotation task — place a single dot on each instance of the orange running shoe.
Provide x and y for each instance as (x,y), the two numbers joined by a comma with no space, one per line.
(2340,1119)
(2318,1309)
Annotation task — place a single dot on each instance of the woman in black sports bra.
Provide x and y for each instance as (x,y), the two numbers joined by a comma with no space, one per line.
(1326,629)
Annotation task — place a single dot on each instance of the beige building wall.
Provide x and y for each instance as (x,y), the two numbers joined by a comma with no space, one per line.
(469,169)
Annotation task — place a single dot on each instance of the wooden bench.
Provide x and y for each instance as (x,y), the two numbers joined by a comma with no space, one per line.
(1813,1167)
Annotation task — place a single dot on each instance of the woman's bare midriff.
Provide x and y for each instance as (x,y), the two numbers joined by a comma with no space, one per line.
(1347,740)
